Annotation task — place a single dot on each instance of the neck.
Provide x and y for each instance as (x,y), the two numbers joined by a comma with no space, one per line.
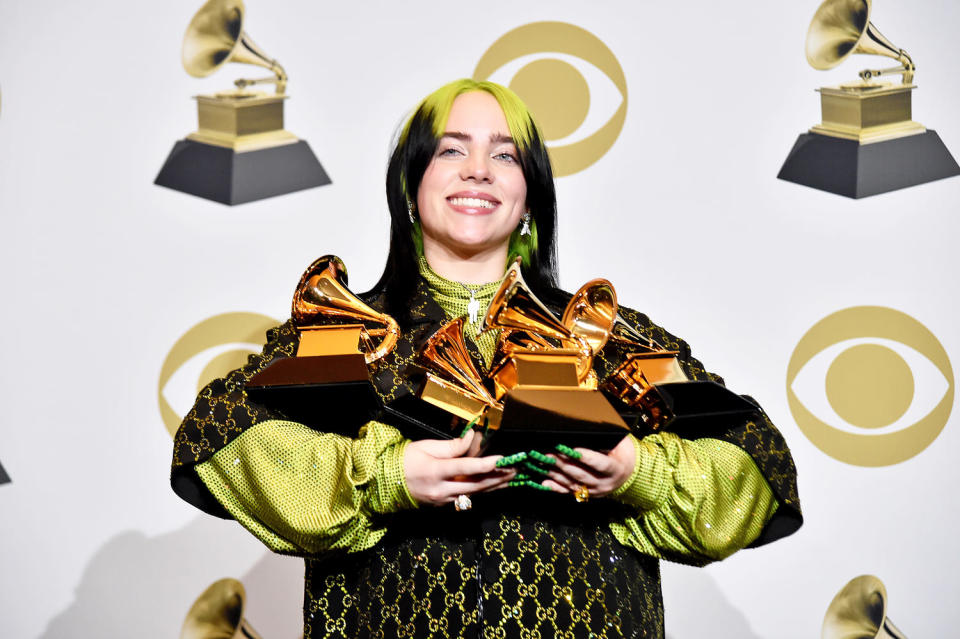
(474,268)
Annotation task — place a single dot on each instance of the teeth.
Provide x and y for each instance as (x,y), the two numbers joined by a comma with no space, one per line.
(473,202)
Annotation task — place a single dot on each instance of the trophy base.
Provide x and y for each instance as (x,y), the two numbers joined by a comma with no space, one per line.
(419,419)
(329,393)
(541,418)
(230,177)
(855,170)
(688,409)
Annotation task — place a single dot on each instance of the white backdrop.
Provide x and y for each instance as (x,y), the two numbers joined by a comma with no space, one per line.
(104,272)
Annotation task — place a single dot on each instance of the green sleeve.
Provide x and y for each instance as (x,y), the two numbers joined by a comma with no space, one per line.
(696,501)
(304,492)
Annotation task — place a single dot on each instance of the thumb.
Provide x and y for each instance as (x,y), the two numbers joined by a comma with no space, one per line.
(448,448)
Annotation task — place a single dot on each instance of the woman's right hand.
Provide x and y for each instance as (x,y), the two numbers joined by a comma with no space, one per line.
(439,470)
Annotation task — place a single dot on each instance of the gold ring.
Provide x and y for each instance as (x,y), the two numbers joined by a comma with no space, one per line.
(581,494)
(462,503)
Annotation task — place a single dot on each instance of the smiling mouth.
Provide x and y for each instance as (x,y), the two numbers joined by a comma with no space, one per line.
(472,202)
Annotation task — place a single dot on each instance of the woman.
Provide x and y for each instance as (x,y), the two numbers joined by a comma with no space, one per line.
(469,186)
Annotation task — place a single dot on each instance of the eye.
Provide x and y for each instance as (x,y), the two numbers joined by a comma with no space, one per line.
(572,83)
(449,152)
(870,386)
(208,350)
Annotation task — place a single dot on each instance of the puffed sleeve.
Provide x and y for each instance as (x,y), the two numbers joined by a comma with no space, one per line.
(700,497)
(298,490)
(303,492)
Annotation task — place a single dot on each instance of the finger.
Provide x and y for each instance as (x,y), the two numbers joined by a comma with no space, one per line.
(555,487)
(454,488)
(560,479)
(596,461)
(466,466)
(445,448)
(578,474)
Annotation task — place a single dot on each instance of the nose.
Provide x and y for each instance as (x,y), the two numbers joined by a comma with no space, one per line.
(476,168)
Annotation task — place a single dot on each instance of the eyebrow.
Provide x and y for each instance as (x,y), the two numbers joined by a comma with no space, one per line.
(496,138)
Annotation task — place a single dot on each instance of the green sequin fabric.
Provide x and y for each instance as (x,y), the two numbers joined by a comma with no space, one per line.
(530,565)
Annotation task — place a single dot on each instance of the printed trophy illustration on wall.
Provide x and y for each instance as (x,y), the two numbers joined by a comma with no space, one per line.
(860,610)
(867,142)
(240,151)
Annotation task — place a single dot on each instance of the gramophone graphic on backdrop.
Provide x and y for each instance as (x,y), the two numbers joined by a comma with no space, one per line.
(240,151)
(867,142)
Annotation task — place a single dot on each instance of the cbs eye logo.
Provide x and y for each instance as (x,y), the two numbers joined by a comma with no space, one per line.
(210,349)
(876,386)
(577,92)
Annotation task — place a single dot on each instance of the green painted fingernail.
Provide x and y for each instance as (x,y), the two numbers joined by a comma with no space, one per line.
(543,459)
(468,427)
(531,466)
(509,460)
(569,452)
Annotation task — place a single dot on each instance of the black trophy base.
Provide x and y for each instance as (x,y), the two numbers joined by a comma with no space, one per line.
(340,408)
(329,393)
(689,409)
(419,419)
(226,176)
(855,170)
(539,419)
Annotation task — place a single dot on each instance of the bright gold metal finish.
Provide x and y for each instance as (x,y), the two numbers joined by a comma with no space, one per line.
(445,354)
(215,37)
(592,314)
(453,383)
(633,382)
(322,297)
(841,28)
(218,613)
(858,611)
(515,307)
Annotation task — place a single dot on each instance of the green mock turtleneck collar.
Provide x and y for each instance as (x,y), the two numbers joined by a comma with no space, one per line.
(454,298)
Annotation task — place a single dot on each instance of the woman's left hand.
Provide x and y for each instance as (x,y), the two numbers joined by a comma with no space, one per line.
(600,473)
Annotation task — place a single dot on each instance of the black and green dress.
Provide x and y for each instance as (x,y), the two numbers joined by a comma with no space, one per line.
(521,563)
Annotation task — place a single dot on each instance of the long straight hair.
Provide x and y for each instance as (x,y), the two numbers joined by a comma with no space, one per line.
(413,153)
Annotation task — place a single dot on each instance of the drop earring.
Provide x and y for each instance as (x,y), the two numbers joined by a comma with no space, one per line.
(525,229)
(413,220)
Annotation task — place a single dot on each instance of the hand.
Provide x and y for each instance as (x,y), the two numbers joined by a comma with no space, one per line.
(600,473)
(438,470)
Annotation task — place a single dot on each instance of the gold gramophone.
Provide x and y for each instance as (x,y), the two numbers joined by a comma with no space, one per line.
(860,610)
(240,151)
(867,141)
(452,382)
(218,613)
(542,376)
(339,336)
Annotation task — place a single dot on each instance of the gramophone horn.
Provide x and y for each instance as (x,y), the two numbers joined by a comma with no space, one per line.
(515,307)
(446,355)
(322,297)
(591,313)
(218,613)
(841,28)
(215,36)
(859,611)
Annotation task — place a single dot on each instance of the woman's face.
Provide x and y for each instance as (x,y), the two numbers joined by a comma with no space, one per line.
(473,191)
